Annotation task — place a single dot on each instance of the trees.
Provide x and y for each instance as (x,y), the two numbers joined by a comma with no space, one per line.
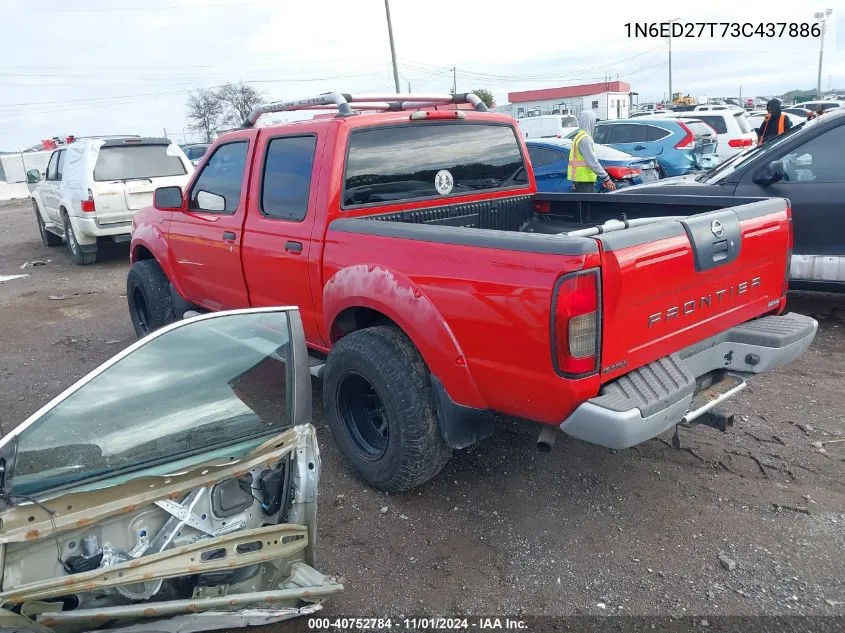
(205,112)
(486,96)
(238,101)
(229,104)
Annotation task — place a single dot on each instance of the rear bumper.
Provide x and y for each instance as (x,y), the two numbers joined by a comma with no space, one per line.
(87,230)
(652,399)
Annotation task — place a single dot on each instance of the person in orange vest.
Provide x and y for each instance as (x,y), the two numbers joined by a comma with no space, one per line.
(775,123)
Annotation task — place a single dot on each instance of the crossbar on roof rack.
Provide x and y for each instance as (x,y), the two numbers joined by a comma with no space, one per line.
(343,102)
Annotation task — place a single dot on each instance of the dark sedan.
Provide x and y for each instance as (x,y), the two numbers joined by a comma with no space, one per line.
(807,166)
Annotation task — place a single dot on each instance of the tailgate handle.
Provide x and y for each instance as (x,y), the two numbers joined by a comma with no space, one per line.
(716,238)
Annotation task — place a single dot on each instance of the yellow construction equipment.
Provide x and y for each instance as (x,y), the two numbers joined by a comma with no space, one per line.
(679,99)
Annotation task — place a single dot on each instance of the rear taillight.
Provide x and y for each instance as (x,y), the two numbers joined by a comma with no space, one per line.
(740,142)
(88,205)
(542,206)
(576,324)
(622,173)
(689,138)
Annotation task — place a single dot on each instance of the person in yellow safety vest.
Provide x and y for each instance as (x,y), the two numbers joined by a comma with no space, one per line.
(584,168)
(774,124)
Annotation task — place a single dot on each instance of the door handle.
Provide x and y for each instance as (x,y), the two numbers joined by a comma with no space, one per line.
(639,147)
(293,247)
(229,236)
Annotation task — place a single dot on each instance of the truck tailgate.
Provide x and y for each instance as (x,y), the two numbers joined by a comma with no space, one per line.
(668,285)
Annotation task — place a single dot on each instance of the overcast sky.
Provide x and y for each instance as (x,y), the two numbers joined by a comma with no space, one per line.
(90,67)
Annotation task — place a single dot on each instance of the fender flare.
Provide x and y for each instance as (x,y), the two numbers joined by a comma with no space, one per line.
(397,297)
(153,240)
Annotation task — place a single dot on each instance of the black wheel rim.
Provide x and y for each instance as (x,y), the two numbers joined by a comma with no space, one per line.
(142,312)
(364,416)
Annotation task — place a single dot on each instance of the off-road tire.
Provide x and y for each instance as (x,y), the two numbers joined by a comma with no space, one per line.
(79,258)
(148,296)
(415,451)
(47,238)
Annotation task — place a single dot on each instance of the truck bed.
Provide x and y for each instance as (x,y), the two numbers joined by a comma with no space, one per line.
(553,213)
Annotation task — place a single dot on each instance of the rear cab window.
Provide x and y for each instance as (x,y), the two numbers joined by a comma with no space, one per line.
(130,162)
(430,160)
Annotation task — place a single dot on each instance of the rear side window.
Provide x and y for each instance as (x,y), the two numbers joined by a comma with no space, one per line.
(655,133)
(287,177)
(541,156)
(627,133)
(52,166)
(61,165)
(742,121)
(136,161)
(426,160)
(716,122)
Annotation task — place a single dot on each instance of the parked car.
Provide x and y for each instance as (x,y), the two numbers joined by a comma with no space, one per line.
(195,151)
(93,187)
(803,166)
(757,118)
(550,161)
(716,106)
(735,133)
(679,145)
(174,488)
(413,240)
(825,104)
(547,126)
(799,111)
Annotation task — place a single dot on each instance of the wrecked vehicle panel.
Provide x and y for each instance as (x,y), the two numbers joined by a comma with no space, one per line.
(172,489)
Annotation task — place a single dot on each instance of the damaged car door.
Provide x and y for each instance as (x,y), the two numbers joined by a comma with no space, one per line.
(175,484)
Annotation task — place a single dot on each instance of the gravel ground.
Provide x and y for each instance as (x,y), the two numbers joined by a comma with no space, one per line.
(744,523)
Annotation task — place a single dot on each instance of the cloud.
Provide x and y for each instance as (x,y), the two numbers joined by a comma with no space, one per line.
(97,67)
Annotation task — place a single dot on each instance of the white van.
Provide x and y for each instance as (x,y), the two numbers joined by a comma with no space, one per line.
(734,130)
(94,186)
(547,126)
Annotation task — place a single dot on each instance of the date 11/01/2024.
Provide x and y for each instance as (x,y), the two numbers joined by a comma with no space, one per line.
(722,29)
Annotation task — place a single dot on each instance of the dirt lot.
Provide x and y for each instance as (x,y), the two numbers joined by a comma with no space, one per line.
(508,530)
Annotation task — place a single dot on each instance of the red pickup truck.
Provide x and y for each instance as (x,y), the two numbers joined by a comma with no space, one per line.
(436,287)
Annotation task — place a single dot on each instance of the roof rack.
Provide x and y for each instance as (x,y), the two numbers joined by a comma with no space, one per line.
(382,102)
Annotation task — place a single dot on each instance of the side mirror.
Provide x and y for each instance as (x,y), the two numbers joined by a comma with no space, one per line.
(33,176)
(167,198)
(208,201)
(769,174)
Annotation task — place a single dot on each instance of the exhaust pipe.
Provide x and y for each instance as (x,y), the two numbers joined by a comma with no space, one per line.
(547,438)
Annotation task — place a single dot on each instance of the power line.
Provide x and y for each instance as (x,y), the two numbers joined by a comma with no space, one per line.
(187,7)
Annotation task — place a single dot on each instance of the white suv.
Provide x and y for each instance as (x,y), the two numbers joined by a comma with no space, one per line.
(733,128)
(94,186)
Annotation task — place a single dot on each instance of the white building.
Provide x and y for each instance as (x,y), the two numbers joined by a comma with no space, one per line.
(609,100)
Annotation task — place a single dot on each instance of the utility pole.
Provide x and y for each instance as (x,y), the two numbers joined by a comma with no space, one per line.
(409,87)
(671,94)
(822,18)
(454,80)
(392,46)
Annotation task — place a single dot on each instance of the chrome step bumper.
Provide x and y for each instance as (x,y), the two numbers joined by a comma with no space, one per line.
(652,399)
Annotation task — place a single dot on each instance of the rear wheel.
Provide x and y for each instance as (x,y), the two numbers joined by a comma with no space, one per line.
(47,238)
(148,296)
(380,407)
(79,258)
